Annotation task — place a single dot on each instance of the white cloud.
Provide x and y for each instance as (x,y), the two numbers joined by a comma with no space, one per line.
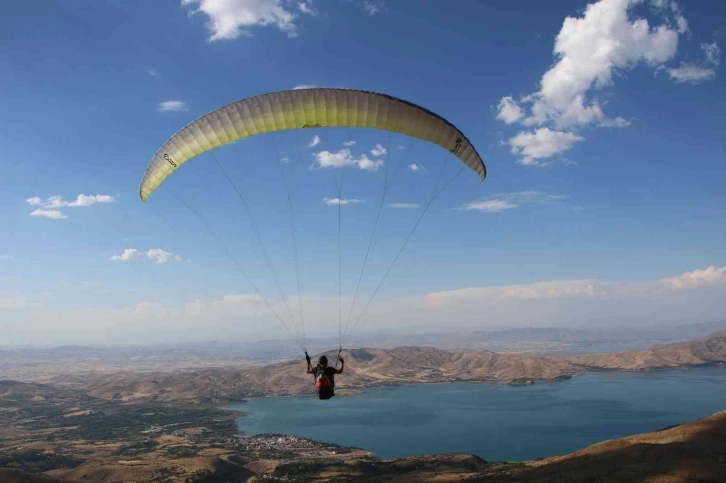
(404,206)
(157,255)
(128,254)
(367,164)
(414,167)
(343,158)
(489,206)
(580,302)
(378,151)
(691,73)
(81,200)
(303,86)
(508,201)
(232,301)
(712,52)
(589,50)
(541,144)
(341,201)
(172,106)
(698,278)
(372,7)
(349,143)
(50,205)
(152,72)
(509,111)
(286,160)
(671,10)
(228,19)
(314,142)
(701,72)
(13,302)
(306,7)
(54,214)
(537,290)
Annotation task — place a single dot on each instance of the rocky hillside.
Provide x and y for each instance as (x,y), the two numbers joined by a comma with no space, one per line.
(364,368)
(376,367)
(61,436)
(709,350)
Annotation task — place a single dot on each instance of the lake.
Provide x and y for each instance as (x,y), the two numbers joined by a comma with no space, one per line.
(495,422)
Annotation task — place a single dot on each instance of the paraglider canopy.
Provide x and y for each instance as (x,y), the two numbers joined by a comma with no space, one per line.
(306,109)
(309,109)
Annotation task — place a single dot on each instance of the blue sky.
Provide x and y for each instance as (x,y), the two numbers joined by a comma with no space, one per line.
(600,123)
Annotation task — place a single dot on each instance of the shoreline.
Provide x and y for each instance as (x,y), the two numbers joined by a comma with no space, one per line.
(658,423)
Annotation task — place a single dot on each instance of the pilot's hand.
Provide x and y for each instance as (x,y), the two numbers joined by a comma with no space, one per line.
(307,358)
(342,361)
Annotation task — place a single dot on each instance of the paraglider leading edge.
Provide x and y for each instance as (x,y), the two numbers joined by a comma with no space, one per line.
(306,108)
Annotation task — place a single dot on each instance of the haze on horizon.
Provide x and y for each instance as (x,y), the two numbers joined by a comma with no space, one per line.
(600,123)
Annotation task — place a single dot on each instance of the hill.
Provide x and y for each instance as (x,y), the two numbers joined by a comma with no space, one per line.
(39,364)
(364,368)
(71,437)
(404,365)
(709,350)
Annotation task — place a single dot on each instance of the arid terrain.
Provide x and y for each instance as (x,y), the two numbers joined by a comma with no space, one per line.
(377,367)
(164,426)
(52,434)
(39,364)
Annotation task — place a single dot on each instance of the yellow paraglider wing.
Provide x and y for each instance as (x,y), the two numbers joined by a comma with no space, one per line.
(300,109)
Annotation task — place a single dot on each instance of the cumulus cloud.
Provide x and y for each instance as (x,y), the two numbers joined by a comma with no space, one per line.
(228,19)
(542,143)
(378,151)
(53,214)
(508,201)
(590,51)
(349,143)
(404,206)
(80,201)
(286,160)
(152,72)
(49,206)
(341,201)
(414,167)
(538,290)
(712,52)
(698,278)
(509,111)
(13,302)
(699,72)
(373,7)
(172,106)
(303,86)
(489,206)
(306,7)
(343,158)
(128,254)
(314,142)
(693,74)
(156,255)
(671,10)
(579,302)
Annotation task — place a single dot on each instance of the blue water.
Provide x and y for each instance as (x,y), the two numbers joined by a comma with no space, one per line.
(495,422)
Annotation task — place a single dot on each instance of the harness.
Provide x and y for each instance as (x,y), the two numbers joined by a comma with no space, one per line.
(321,378)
